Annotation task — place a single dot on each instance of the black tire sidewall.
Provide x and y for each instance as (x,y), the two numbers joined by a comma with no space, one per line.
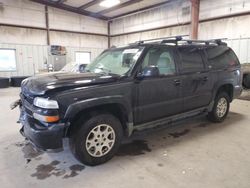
(79,139)
(214,117)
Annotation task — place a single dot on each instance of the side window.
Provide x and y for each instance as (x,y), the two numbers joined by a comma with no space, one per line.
(221,57)
(162,58)
(191,60)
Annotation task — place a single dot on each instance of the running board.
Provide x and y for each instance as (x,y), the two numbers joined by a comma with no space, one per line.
(170,119)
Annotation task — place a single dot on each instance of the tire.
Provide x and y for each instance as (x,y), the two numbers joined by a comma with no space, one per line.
(246,81)
(220,108)
(88,143)
(4,82)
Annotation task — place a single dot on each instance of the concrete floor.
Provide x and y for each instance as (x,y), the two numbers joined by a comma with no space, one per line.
(194,153)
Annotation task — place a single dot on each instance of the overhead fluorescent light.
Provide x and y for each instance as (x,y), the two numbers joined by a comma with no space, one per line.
(109,3)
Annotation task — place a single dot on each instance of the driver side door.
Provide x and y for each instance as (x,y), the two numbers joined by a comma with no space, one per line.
(159,96)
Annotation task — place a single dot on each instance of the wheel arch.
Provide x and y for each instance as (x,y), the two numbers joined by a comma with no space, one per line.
(226,87)
(89,108)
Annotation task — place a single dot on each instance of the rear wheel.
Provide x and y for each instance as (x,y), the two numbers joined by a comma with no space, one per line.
(97,139)
(220,108)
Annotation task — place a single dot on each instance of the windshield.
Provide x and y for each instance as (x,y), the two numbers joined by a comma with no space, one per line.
(115,61)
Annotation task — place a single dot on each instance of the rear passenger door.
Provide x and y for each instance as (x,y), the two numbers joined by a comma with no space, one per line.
(195,78)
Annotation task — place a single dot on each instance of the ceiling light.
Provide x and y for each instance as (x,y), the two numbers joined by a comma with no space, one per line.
(109,3)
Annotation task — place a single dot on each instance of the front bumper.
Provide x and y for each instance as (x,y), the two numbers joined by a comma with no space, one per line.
(44,138)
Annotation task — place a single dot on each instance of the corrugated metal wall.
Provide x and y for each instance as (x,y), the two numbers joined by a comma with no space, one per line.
(31,58)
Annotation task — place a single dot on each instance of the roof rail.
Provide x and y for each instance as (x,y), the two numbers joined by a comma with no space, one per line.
(207,42)
(177,37)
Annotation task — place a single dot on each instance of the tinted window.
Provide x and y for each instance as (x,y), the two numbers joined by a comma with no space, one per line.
(191,60)
(221,57)
(162,58)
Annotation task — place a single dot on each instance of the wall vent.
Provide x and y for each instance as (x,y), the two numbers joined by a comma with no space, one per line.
(185,11)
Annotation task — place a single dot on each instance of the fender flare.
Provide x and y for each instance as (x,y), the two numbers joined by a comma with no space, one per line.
(78,106)
(221,83)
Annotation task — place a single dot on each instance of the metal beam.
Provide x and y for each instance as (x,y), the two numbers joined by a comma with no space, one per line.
(119,6)
(141,9)
(89,4)
(109,22)
(70,8)
(195,9)
(56,30)
(47,24)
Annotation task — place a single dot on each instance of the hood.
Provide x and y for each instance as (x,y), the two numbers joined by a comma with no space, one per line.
(39,85)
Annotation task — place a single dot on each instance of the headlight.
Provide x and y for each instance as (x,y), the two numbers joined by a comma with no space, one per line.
(45,103)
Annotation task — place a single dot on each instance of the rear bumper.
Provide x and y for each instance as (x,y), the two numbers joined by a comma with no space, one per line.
(44,138)
(237,91)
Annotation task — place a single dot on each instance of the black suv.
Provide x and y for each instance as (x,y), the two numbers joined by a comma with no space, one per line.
(125,89)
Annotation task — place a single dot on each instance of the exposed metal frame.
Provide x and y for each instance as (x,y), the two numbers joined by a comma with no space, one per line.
(99,15)
(109,38)
(195,4)
(89,4)
(70,8)
(57,30)
(47,24)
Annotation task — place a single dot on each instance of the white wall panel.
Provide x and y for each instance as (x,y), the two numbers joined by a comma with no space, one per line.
(126,39)
(31,58)
(79,40)
(235,27)
(22,12)
(60,19)
(171,14)
(22,35)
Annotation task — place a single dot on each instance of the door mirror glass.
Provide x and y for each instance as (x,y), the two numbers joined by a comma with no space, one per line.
(150,71)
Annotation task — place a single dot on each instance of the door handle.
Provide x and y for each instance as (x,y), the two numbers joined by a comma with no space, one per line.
(205,78)
(177,82)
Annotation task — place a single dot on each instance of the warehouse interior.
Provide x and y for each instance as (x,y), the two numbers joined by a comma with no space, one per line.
(41,36)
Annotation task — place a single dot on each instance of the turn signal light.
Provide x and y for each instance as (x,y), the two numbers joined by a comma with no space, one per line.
(48,119)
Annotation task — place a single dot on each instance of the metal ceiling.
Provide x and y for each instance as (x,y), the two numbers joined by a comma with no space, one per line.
(93,9)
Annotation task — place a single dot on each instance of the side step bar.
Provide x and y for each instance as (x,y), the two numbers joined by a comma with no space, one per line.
(170,119)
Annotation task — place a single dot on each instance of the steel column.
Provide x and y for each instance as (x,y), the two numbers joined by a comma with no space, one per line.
(195,9)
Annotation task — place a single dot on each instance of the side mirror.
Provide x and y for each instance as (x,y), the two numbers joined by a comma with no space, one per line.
(151,71)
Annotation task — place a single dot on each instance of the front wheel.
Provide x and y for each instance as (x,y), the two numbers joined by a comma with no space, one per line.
(220,108)
(97,140)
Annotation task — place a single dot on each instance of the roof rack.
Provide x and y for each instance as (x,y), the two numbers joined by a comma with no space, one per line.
(207,42)
(176,39)
(156,40)
(188,41)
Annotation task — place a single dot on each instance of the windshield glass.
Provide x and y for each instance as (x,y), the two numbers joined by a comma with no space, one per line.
(115,61)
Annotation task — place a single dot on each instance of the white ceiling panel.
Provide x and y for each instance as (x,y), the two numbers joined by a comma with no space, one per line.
(97,7)
(76,3)
(133,7)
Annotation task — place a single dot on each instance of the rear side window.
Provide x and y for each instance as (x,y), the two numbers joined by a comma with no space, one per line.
(221,57)
(191,60)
